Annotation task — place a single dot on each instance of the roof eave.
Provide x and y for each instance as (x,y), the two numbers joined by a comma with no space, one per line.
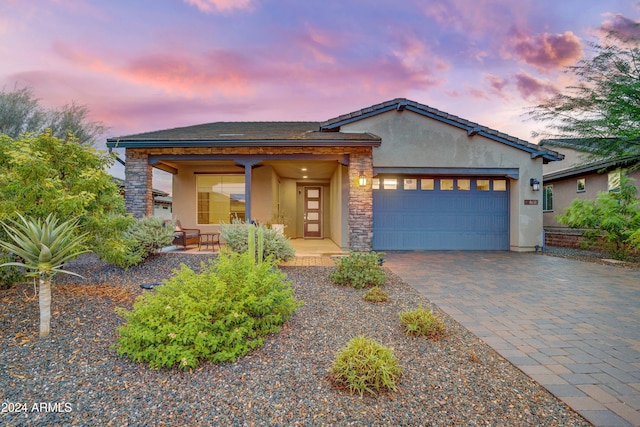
(471,128)
(590,168)
(119,143)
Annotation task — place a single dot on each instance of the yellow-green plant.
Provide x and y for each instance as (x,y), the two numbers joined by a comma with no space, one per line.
(376,294)
(44,247)
(217,315)
(423,322)
(366,366)
(359,270)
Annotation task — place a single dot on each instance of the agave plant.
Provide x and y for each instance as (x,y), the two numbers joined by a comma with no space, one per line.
(44,247)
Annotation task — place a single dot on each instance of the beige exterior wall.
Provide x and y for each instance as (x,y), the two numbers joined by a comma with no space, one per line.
(185,193)
(339,197)
(412,140)
(565,191)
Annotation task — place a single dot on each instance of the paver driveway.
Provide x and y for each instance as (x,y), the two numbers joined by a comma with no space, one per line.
(572,326)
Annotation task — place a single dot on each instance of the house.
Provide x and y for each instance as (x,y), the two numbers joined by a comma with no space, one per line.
(398,175)
(578,176)
(162,202)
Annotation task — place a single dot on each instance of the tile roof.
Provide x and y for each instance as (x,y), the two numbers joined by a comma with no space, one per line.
(239,133)
(401,104)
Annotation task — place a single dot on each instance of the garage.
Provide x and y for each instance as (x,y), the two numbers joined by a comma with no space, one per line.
(440,213)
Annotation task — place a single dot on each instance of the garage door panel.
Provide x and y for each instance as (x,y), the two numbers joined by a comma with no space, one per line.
(441,219)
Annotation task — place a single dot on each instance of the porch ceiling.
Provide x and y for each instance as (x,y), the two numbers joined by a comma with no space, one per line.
(296,169)
(292,169)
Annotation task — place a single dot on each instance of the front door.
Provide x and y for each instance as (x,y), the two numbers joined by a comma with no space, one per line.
(312,212)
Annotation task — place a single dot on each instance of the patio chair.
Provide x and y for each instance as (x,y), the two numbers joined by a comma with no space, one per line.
(186,236)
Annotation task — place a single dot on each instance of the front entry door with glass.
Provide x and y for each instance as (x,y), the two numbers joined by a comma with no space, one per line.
(312,212)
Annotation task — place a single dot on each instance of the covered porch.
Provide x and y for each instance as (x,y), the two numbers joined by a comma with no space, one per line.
(274,173)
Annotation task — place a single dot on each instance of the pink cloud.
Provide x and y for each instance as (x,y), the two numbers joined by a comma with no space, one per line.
(547,51)
(474,17)
(190,73)
(531,87)
(497,85)
(621,27)
(219,5)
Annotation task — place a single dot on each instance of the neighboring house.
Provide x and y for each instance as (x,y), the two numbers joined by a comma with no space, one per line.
(394,176)
(578,176)
(162,203)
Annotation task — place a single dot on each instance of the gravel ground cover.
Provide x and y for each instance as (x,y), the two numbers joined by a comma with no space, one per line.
(74,378)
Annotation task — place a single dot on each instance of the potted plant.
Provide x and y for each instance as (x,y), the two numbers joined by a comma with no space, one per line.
(278,221)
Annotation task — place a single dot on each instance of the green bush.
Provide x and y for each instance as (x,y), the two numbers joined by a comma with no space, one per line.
(376,294)
(150,234)
(10,274)
(422,322)
(276,244)
(359,270)
(364,365)
(217,315)
(611,222)
(141,238)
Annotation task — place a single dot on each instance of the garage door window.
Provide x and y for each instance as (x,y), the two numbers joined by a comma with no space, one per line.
(446,184)
(390,184)
(482,185)
(464,184)
(499,185)
(427,184)
(410,184)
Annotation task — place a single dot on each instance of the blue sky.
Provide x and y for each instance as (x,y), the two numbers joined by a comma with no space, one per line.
(152,64)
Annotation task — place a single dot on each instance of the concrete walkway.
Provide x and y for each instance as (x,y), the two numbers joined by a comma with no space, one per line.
(572,326)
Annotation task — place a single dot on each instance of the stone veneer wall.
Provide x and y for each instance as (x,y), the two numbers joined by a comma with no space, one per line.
(360,202)
(138,178)
(139,201)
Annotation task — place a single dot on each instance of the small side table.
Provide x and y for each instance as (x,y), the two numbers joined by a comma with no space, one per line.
(207,239)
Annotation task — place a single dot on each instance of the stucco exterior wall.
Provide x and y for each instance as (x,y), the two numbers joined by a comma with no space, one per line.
(412,140)
(565,191)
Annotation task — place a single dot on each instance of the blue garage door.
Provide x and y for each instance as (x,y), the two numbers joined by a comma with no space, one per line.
(457,213)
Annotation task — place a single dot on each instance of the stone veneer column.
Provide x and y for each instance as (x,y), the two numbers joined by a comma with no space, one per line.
(138,176)
(360,202)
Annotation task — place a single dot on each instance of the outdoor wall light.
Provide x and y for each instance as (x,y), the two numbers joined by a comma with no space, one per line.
(535,184)
(362,181)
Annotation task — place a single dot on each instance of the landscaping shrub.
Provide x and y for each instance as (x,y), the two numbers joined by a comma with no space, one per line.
(376,294)
(359,270)
(611,222)
(422,322)
(150,234)
(366,366)
(142,238)
(276,244)
(217,315)
(10,274)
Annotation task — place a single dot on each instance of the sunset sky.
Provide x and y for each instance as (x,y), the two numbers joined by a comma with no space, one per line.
(142,65)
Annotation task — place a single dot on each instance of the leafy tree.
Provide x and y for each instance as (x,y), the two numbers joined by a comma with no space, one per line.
(44,247)
(611,221)
(41,175)
(603,108)
(21,112)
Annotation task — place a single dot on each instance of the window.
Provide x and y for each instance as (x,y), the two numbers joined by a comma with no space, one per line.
(499,185)
(482,185)
(464,184)
(410,184)
(375,183)
(613,182)
(547,198)
(581,185)
(390,184)
(221,198)
(427,184)
(446,184)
